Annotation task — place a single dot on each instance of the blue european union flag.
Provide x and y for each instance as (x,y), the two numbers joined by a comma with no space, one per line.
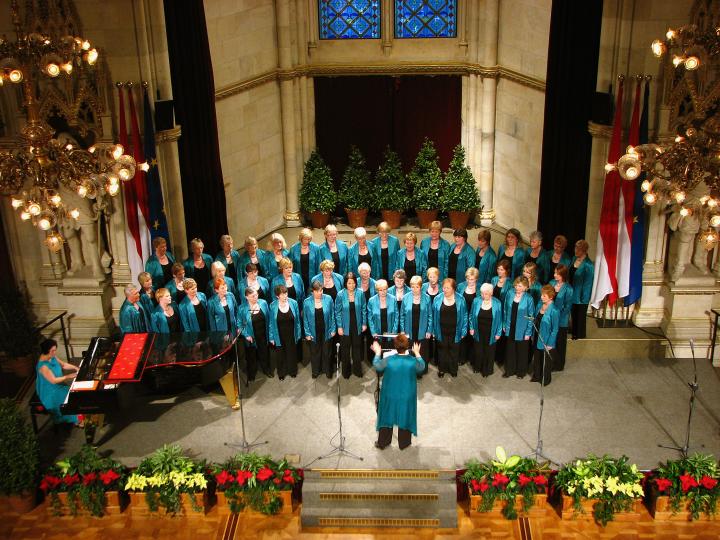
(158,222)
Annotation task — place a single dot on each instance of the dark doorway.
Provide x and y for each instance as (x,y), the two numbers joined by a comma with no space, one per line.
(375,111)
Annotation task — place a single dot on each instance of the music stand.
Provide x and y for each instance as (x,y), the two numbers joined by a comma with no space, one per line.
(243,445)
(691,406)
(338,449)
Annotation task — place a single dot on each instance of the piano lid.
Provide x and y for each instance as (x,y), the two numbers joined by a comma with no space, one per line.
(139,352)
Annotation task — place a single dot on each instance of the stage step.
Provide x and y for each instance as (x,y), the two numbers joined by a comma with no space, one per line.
(630,343)
(378,498)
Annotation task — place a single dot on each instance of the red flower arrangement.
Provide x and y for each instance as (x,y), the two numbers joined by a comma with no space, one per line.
(689,482)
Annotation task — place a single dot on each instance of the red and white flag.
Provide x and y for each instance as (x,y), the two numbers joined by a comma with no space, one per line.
(137,233)
(612,218)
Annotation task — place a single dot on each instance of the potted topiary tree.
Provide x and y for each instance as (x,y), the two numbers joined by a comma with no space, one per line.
(425,180)
(459,197)
(391,195)
(317,194)
(19,459)
(356,189)
(18,336)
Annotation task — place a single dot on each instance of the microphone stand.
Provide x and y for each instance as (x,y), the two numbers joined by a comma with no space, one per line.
(243,445)
(538,452)
(694,386)
(337,449)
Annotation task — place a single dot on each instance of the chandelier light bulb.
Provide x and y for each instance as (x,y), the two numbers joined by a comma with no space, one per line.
(124,174)
(92,56)
(670,34)
(650,199)
(632,173)
(145,166)
(24,215)
(715,221)
(15,76)
(685,211)
(704,199)
(67,67)
(92,149)
(609,167)
(677,60)
(34,208)
(54,242)
(74,213)
(118,151)
(16,203)
(114,179)
(2,79)
(52,69)
(86,45)
(82,190)
(645,186)
(679,197)
(113,189)
(692,63)
(55,199)
(712,203)
(679,139)
(44,223)
(690,132)
(658,48)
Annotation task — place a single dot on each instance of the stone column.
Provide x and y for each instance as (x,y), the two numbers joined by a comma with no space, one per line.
(287,105)
(487,108)
(169,170)
(598,158)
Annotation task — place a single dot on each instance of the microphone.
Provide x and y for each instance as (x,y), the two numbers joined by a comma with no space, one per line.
(692,346)
(337,347)
(529,318)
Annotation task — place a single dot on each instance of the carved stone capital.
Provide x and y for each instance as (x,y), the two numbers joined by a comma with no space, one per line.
(168,135)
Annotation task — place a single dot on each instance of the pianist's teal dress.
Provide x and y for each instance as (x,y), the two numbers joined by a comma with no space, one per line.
(53,395)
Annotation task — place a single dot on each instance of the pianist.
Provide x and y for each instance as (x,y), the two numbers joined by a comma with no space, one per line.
(51,384)
(133,316)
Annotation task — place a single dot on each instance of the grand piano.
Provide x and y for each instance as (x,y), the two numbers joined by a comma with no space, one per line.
(113,373)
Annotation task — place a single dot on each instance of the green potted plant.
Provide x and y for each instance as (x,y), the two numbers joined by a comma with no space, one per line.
(503,483)
(256,482)
(85,481)
(685,489)
(19,459)
(604,486)
(317,194)
(18,335)
(356,190)
(170,481)
(390,195)
(425,180)
(459,197)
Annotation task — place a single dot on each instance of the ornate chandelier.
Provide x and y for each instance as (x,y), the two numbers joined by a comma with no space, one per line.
(35,174)
(686,172)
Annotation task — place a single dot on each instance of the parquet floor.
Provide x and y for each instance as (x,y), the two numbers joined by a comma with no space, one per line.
(37,525)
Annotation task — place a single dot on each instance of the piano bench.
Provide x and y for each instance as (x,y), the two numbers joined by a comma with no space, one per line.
(38,409)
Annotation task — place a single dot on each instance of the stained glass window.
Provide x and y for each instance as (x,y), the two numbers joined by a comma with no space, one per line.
(425,18)
(349,19)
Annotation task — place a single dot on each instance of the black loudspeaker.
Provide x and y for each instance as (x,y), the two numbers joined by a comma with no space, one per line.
(602,108)
(164,115)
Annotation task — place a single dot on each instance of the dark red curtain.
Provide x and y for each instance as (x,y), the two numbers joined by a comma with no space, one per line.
(375,111)
(571,79)
(194,99)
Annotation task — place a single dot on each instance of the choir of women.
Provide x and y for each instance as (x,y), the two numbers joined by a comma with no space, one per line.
(459,304)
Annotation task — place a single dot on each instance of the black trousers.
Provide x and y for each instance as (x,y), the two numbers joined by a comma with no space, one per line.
(537,365)
(561,346)
(484,357)
(424,351)
(385,437)
(286,359)
(516,357)
(466,350)
(448,354)
(351,355)
(320,356)
(257,353)
(500,346)
(578,312)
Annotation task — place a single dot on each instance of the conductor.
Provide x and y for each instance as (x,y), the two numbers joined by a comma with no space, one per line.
(398,395)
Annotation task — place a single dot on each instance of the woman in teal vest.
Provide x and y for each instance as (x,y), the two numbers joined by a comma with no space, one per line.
(197,265)
(398,394)
(461,256)
(416,317)
(252,254)
(351,319)
(165,319)
(277,250)
(290,280)
(255,281)
(547,321)
(563,302)
(222,309)
(285,332)
(385,247)
(51,384)
(159,264)
(582,273)
(411,259)
(557,256)
(305,256)
(254,321)
(360,252)
(449,318)
(230,259)
(436,249)
(334,250)
(319,327)
(485,323)
(518,328)
(485,257)
(512,252)
(194,308)
(382,313)
(536,254)
(133,317)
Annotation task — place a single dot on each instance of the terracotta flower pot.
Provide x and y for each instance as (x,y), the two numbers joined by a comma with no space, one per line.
(356,218)
(20,504)
(286,496)
(139,507)
(319,219)
(538,509)
(425,217)
(568,510)
(392,217)
(459,219)
(661,510)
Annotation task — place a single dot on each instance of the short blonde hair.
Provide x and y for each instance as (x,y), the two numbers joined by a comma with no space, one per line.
(177,268)
(216,267)
(276,237)
(399,274)
(327,265)
(560,239)
(450,281)
(416,280)
(381,284)
(432,270)
(521,280)
(435,226)
(224,239)
(384,226)
(330,228)
(143,277)
(285,263)
(364,266)
(250,241)
(411,236)
(195,242)
(360,232)
(531,267)
(189,283)
(162,291)
(305,233)
(472,272)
